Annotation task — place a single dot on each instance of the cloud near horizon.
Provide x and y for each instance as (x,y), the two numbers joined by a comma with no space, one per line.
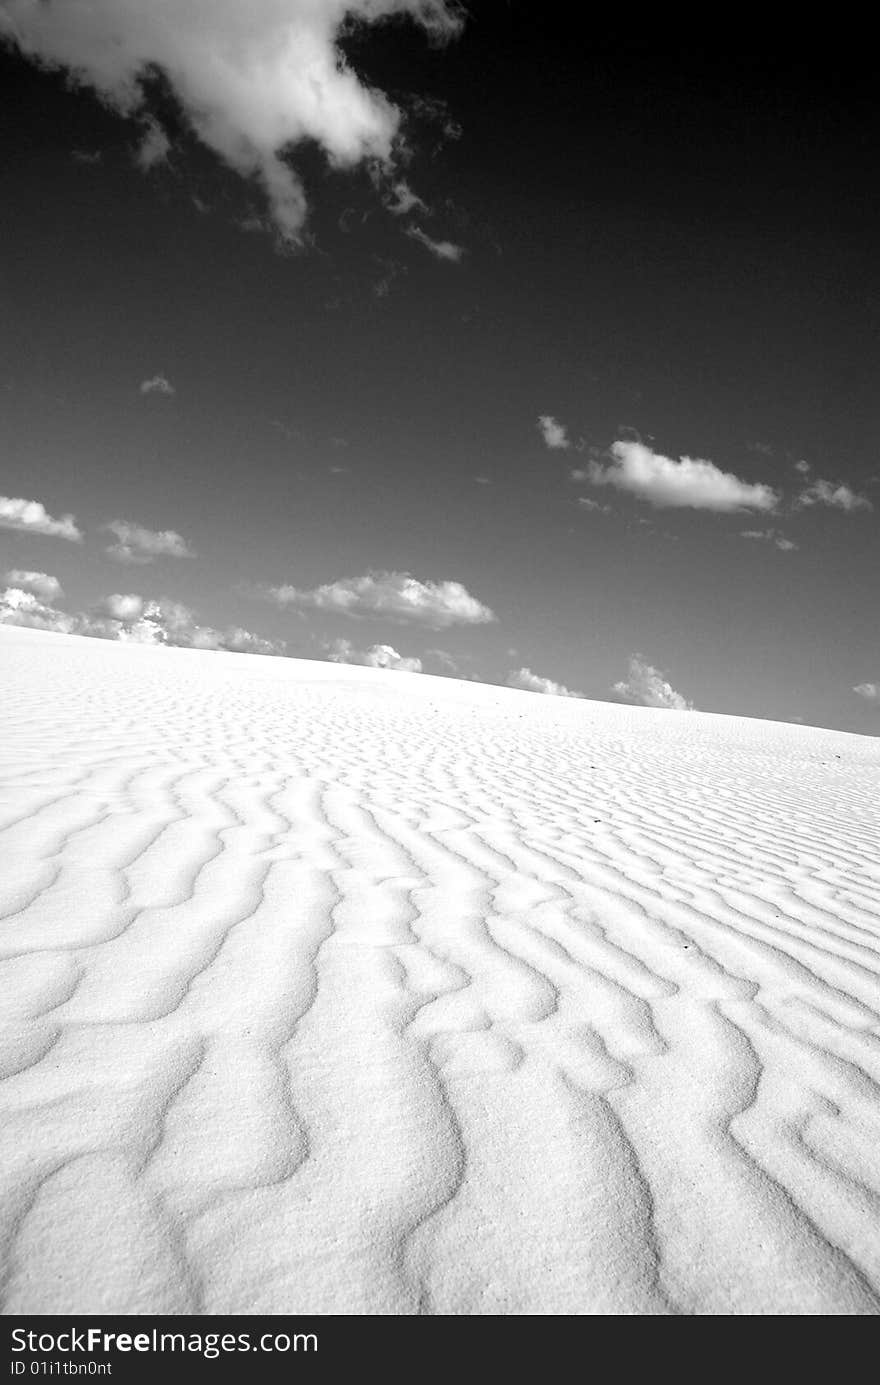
(869,691)
(396,596)
(647,686)
(342,651)
(135,544)
(132,619)
(31,517)
(526,681)
(40,584)
(689,483)
(253,80)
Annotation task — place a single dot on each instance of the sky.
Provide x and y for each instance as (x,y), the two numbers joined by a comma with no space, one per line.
(454,339)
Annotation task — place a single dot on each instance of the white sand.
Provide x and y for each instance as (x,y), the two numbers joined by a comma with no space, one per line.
(325,989)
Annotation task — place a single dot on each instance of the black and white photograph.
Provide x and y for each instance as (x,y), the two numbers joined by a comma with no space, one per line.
(439,672)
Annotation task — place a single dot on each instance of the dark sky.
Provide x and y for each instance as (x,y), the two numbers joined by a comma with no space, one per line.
(668,251)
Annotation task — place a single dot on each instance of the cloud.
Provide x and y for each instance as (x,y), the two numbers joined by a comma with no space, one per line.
(770,536)
(440,249)
(31,517)
(122,606)
(18,607)
(553,432)
(533,682)
(153,148)
(869,691)
(377,656)
(400,199)
(395,595)
(40,584)
(803,467)
(839,497)
(647,686)
(254,79)
(134,544)
(690,483)
(157,385)
(132,619)
(588,504)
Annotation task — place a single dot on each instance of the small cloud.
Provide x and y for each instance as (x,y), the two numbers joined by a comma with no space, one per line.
(135,544)
(762,448)
(154,146)
(803,467)
(690,482)
(838,497)
(40,584)
(587,504)
(123,606)
(377,656)
(869,691)
(770,536)
(157,385)
(647,686)
(532,682)
(87,156)
(553,432)
(440,249)
(30,517)
(482,481)
(395,595)
(400,199)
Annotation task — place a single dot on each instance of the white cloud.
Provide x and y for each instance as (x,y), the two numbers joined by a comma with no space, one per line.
(839,497)
(40,584)
(122,606)
(377,656)
(132,619)
(803,467)
(770,536)
(691,482)
(157,385)
(647,686)
(440,249)
(588,504)
(18,607)
(869,691)
(153,148)
(533,682)
(395,595)
(254,79)
(554,433)
(135,544)
(401,199)
(31,517)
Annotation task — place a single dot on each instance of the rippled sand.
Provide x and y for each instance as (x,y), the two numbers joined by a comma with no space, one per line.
(333,990)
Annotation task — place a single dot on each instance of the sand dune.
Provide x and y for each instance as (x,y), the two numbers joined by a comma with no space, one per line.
(326,989)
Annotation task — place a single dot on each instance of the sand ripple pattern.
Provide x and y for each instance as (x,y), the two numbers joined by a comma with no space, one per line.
(336,991)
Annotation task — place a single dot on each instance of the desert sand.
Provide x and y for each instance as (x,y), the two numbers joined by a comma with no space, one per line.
(334,990)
